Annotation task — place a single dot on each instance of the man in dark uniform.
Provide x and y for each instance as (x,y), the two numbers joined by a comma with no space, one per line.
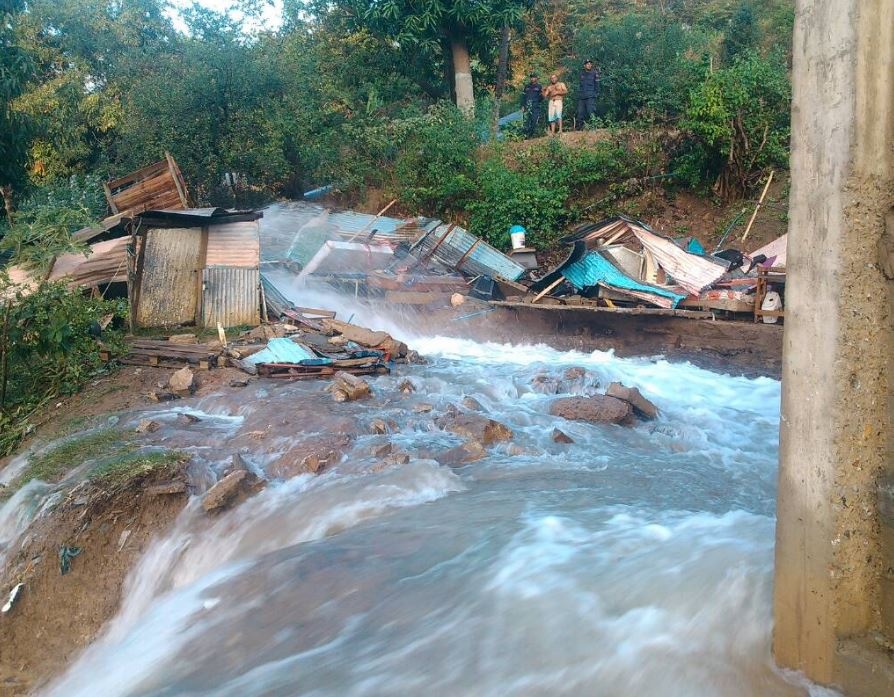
(588,90)
(531,102)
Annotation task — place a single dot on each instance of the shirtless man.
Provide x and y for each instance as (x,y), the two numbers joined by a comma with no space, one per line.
(554,93)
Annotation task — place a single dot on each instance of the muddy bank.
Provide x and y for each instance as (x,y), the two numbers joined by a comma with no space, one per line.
(730,347)
(56,615)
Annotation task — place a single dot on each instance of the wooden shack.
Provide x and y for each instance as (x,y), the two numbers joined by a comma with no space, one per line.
(157,186)
(196,266)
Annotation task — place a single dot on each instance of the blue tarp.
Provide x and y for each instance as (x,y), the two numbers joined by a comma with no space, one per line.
(283,350)
(594,269)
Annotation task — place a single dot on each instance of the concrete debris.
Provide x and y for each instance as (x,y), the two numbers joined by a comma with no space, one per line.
(642,407)
(595,409)
(147,426)
(347,387)
(182,381)
(561,437)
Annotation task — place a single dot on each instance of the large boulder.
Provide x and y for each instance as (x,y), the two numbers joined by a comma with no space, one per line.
(642,407)
(598,409)
(182,382)
(461,454)
(475,427)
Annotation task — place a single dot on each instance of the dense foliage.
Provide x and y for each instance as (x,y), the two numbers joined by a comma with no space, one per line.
(356,94)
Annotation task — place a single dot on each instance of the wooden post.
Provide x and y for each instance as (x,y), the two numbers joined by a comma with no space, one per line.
(373,221)
(758,206)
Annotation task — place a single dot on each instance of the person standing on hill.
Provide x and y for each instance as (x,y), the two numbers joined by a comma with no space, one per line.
(531,102)
(554,93)
(589,90)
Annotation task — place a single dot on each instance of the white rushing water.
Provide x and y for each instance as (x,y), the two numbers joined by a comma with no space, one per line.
(635,561)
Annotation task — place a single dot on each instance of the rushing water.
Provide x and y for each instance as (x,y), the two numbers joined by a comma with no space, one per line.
(636,561)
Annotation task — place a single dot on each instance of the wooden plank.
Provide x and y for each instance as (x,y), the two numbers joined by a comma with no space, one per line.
(179,184)
(471,248)
(110,199)
(138,175)
(550,287)
(660,312)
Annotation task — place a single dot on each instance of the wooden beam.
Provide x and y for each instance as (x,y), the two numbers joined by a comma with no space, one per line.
(546,290)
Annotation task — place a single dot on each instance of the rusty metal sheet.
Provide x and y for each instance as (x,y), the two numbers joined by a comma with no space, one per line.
(231,296)
(169,283)
(234,244)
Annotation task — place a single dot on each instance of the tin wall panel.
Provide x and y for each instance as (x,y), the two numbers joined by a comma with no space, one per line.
(234,244)
(169,286)
(231,296)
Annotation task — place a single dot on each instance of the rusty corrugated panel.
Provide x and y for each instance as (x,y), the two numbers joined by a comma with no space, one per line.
(169,285)
(106,263)
(231,296)
(234,244)
(693,272)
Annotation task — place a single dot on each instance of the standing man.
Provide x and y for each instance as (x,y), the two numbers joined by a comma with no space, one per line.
(531,101)
(589,89)
(554,92)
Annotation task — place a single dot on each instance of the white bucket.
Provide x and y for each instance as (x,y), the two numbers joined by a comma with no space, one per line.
(518,240)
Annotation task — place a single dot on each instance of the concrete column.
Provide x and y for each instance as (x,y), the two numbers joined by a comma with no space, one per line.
(834,593)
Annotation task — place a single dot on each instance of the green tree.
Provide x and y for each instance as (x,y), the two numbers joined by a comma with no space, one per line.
(742,33)
(739,118)
(15,128)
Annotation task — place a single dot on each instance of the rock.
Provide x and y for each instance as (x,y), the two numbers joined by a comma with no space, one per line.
(461,454)
(166,488)
(399,458)
(457,299)
(414,358)
(515,450)
(642,407)
(244,366)
(472,404)
(407,386)
(162,396)
(378,426)
(561,437)
(187,419)
(595,409)
(147,426)
(575,373)
(239,382)
(311,456)
(222,494)
(423,408)
(382,450)
(182,381)
(346,387)
(183,339)
(544,384)
(476,428)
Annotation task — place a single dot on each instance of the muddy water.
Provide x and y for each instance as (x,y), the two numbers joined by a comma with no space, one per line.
(632,562)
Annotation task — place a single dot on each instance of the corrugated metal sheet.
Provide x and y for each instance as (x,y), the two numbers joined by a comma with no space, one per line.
(169,287)
(283,350)
(455,248)
(775,251)
(231,296)
(692,272)
(342,258)
(106,263)
(234,244)
(595,269)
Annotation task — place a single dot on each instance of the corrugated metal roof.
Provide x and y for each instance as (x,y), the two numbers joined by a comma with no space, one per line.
(775,251)
(106,263)
(231,296)
(283,350)
(594,269)
(692,272)
(455,248)
(194,217)
(234,244)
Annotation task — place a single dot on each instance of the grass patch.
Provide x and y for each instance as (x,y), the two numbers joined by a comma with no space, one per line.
(126,467)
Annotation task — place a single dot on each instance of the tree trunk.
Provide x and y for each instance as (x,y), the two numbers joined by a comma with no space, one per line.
(502,71)
(6,193)
(462,75)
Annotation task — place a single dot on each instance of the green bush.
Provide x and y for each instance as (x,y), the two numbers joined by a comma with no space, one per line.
(49,349)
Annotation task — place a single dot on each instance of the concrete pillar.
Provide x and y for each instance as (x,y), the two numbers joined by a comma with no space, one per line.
(834,592)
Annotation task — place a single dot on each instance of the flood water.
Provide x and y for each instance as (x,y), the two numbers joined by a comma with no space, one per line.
(633,562)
